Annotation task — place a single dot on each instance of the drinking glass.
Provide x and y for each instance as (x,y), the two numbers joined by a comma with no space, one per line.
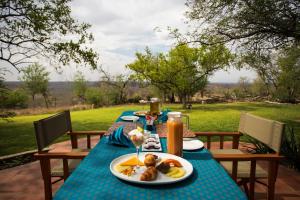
(137,140)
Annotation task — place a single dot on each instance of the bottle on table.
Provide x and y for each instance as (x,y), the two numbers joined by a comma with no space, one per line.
(175,133)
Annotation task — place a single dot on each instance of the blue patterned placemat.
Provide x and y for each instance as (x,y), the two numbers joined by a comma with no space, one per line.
(92,179)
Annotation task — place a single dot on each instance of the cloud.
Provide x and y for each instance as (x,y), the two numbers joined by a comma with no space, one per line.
(123,27)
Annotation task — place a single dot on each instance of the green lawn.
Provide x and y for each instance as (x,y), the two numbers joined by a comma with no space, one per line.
(18,135)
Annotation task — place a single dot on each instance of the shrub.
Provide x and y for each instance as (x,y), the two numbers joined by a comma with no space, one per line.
(134,99)
(15,99)
(95,96)
(290,148)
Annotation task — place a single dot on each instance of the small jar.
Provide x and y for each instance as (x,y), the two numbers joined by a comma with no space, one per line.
(175,133)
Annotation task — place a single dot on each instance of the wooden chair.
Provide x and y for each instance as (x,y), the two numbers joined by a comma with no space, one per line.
(46,131)
(242,166)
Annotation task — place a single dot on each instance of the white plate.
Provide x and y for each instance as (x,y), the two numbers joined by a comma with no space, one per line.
(192,144)
(161,178)
(143,114)
(130,118)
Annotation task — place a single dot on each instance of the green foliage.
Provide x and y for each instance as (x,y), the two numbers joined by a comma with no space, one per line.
(134,99)
(255,25)
(289,78)
(94,96)
(80,86)
(259,88)
(118,84)
(280,72)
(16,99)
(33,27)
(290,148)
(258,147)
(111,95)
(243,88)
(36,78)
(183,70)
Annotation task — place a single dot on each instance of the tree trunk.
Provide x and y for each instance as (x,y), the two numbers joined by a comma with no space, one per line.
(46,100)
(32,96)
(202,93)
(171,98)
(184,101)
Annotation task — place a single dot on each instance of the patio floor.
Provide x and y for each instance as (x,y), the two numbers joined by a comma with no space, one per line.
(25,182)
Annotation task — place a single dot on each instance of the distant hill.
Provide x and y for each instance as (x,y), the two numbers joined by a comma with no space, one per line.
(63,94)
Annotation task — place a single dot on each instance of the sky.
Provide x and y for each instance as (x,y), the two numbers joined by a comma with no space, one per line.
(123,27)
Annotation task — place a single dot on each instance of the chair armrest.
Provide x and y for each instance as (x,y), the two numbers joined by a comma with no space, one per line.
(247,157)
(87,133)
(208,135)
(61,155)
(218,133)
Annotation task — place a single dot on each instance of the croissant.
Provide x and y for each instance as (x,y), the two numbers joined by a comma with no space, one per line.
(149,175)
(150,160)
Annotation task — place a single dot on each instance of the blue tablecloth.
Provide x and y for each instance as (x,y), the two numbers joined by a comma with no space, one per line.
(92,179)
(161,118)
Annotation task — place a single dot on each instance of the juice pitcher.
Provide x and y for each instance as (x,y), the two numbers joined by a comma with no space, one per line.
(175,133)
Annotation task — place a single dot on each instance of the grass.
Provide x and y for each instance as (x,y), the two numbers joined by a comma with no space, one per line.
(18,134)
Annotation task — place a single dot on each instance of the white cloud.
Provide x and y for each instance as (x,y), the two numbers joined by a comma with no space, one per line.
(122,27)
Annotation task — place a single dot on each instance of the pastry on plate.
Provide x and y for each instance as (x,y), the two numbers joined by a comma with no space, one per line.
(163,167)
(149,175)
(150,160)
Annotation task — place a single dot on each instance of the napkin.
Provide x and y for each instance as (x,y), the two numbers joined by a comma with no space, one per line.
(118,138)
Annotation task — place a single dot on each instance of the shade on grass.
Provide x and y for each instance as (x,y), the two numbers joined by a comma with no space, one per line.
(18,135)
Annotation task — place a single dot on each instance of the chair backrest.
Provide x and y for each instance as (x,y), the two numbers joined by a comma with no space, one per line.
(266,131)
(50,128)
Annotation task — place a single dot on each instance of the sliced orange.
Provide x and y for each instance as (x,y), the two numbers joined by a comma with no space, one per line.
(132,162)
(174,162)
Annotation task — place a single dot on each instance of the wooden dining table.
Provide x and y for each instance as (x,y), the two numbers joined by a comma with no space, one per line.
(92,179)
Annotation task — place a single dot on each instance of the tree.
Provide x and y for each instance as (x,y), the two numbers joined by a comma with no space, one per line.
(80,86)
(183,70)
(254,24)
(94,96)
(16,99)
(32,27)
(280,71)
(265,66)
(289,78)
(259,88)
(36,78)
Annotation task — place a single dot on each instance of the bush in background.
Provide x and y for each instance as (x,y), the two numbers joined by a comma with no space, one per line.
(134,99)
(95,96)
(14,99)
(17,99)
(290,148)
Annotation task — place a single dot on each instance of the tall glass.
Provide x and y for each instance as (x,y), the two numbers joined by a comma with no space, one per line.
(137,140)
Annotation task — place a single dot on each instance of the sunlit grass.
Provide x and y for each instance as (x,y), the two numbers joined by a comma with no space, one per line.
(18,135)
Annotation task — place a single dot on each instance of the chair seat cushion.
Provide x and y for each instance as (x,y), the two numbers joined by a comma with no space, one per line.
(243,166)
(58,169)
